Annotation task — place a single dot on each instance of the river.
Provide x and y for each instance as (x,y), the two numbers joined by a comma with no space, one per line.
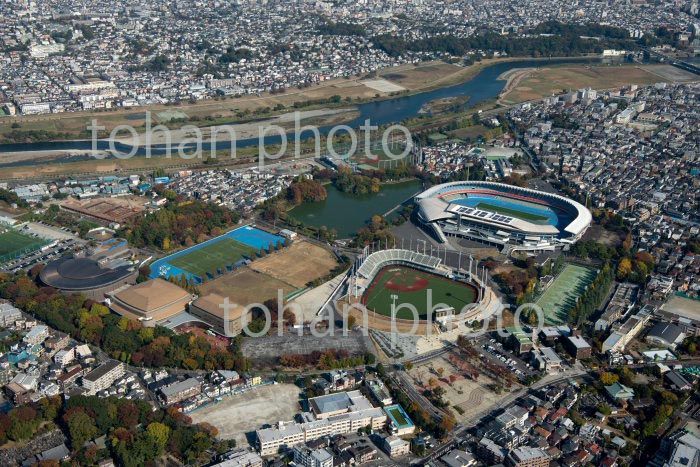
(481,87)
(348,213)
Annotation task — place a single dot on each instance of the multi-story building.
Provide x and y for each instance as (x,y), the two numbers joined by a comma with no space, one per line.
(240,458)
(395,446)
(489,452)
(334,414)
(578,347)
(103,376)
(307,457)
(64,357)
(181,390)
(9,315)
(37,335)
(527,457)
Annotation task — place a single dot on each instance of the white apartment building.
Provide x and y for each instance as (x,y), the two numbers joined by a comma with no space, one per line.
(103,376)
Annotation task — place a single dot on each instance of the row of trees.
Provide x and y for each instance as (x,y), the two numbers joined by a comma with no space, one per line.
(326,360)
(565,43)
(592,297)
(137,433)
(123,339)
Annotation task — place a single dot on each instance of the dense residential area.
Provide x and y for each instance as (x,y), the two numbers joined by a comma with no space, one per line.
(520,288)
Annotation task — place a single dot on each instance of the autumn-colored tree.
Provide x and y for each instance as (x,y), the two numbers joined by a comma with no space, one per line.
(624,269)
(608,379)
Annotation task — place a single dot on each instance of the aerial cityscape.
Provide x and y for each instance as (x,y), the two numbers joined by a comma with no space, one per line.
(446,233)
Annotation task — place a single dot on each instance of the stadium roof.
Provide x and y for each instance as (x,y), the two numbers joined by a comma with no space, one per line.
(580,223)
(212,302)
(152,295)
(70,273)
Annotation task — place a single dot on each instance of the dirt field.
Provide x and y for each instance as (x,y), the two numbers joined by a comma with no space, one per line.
(246,286)
(685,307)
(472,397)
(238,415)
(301,263)
(543,82)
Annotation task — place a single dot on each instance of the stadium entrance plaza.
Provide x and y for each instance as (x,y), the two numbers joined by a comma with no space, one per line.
(472,397)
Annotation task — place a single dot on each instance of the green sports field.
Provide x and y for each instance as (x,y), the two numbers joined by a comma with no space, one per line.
(211,257)
(12,244)
(526,216)
(412,286)
(560,298)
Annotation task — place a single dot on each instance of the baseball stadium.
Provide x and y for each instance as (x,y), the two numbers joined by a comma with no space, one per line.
(504,215)
(389,281)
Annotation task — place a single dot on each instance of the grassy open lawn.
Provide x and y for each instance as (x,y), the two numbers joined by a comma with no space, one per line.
(212,257)
(12,242)
(412,286)
(511,212)
(560,298)
(546,81)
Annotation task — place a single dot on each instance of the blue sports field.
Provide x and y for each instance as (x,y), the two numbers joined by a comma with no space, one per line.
(216,256)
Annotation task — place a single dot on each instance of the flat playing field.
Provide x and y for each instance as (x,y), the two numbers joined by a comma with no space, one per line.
(212,257)
(12,244)
(560,298)
(298,264)
(511,212)
(245,286)
(412,286)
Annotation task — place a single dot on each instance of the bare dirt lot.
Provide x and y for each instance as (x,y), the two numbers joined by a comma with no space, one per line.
(301,263)
(472,397)
(246,286)
(682,306)
(244,413)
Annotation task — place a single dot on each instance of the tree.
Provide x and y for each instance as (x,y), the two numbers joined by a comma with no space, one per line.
(158,433)
(608,379)
(81,428)
(624,268)
(408,366)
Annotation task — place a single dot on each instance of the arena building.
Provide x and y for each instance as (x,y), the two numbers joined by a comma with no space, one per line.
(505,215)
(150,302)
(208,309)
(89,276)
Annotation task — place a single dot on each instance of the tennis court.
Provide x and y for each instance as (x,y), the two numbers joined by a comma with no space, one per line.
(411,286)
(214,257)
(14,244)
(559,299)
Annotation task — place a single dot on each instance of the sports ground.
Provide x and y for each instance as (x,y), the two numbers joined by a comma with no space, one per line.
(560,298)
(518,213)
(216,256)
(412,286)
(12,244)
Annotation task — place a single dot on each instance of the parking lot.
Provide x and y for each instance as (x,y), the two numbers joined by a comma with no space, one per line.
(45,254)
(493,350)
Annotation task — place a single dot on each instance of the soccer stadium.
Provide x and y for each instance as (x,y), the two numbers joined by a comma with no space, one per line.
(387,279)
(217,256)
(509,216)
